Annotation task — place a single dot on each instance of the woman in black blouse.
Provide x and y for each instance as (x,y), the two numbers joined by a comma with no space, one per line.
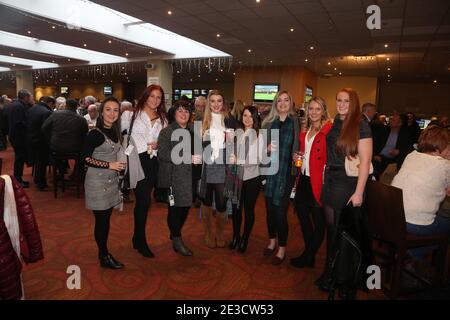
(350,136)
(100,152)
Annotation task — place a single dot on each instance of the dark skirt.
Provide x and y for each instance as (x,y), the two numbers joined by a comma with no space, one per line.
(337,189)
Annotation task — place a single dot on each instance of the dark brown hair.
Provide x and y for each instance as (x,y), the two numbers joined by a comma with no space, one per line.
(434,139)
(349,136)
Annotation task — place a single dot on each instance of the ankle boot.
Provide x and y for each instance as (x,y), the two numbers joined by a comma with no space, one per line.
(243,245)
(179,247)
(234,242)
(325,280)
(142,247)
(221,220)
(210,239)
(108,261)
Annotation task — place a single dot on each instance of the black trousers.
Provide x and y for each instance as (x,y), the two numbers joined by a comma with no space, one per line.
(310,214)
(143,193)
(41,153)
(216,190)
(101,230)
(176,218)
(249,195)
(20,158)
(277,223)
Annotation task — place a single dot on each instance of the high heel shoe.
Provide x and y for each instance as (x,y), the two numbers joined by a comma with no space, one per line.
(108,261)
(243,245)
(142,248)
(234,243)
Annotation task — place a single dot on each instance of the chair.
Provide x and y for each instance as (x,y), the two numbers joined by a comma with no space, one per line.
(77,172)
(387,226)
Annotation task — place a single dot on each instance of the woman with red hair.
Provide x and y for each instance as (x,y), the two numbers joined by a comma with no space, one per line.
(349,137)
(144,124)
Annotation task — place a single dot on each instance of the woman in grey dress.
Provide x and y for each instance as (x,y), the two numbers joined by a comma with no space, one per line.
(101,185)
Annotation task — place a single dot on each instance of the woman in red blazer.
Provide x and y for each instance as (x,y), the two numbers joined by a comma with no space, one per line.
(313,147)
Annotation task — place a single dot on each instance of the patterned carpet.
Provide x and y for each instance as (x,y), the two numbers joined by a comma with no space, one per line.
(67,234)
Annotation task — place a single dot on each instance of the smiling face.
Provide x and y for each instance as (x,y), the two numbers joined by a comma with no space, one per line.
(342,103)
(247,119)
(154,100)
(315,112)
(216,103)
(182,116)
(110,113)
(283,103)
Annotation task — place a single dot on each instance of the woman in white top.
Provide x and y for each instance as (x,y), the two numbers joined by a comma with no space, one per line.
(425,181)
(146,123)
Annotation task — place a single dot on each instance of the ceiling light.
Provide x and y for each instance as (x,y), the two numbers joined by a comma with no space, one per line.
(109,41)
(434,81)
(150,52)
(335,69)
(292,29)
(199,76)
(234,73)
(126,53)
(389,80)
(217,79)
(249,50)
(387,59)
(340,73)
(389,69)
(386,45)
(84,45)
(221,70)
(53,61)
(76,70)
(68,59)
(271,61)
(169,13)
(258,1)
(329,63)
(11,54)
(311,48)
(218,35)
(29,32)
(389,75)
(191,79)
(14,65)
(53,27)
(306,60)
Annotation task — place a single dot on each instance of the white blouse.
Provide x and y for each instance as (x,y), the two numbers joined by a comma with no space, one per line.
(307,154)
(143,132)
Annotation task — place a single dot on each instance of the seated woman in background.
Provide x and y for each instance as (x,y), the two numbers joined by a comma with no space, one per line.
(425,181)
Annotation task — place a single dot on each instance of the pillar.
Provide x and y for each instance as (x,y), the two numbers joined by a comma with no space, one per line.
(24,80)
(160,72)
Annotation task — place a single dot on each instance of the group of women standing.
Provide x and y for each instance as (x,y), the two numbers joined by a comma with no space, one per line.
(311,170)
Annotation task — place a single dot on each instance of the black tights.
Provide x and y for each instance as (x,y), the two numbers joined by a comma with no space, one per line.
(216,190)
(330,220)
(176,218)
(101,230)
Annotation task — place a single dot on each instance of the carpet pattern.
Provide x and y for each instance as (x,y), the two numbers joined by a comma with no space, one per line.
(67,235)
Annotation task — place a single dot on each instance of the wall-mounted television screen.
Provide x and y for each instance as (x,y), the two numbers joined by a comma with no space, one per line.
(176,91)
(423,123)
(308,93)
(204,92)
(187,93)
(196,91)
(64,90)
(265,92)
(107,90)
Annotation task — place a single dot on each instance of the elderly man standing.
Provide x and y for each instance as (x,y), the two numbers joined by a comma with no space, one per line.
(126,106)
(82,110)
(18,132)
(92,116)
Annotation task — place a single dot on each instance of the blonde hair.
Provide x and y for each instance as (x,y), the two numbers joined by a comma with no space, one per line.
(207,114)
(325,115)
(273,114)
(238,108)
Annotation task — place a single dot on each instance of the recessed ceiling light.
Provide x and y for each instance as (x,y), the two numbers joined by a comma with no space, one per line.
(240,62)
(29,32)
(335,68)
(169,13)
(389,80)
(389,69)
(387,59)
(221,70)
(234,73)
(14,65)
(271,61)
(218,35)
(386,45)
(84,45)
(76,70)
(68,60)
(434,81)
(389,75)
(109,41)
(217,79)
(306,60)
(191,79)
(12,54)
(249,50)
(126,53)
(329,63)
(150,52)
(53,61)
(292,29)
(198,76)
(311,48)
(53,27)
(258,1)
(340,73)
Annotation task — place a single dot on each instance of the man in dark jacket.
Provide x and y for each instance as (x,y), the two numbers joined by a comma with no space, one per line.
(37,142)
(397,144)
(66,131)
(17,132)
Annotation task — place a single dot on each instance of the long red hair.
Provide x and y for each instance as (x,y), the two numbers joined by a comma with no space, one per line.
(349,136)
(160,110)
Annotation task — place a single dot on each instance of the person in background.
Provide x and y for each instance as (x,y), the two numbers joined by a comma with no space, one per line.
(413,127)
(125,106)
(246,182)
(279,186)
(238,107)
(60,103)
(394,147)
(216,123)
(38,145)
(199,106)
(177,178)
(91,116)
(444,121)
(5,103)
(313,157)
(87,101)
(100,153)
(350,136)
(147,120)
(425,182)
(18,132)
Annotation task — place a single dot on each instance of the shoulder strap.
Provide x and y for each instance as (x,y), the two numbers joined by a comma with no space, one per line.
(131,127)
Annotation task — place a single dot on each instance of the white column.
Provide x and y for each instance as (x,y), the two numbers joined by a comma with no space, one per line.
(160,72)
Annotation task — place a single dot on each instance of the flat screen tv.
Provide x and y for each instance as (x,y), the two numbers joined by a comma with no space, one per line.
(423,123)
(196,91)
(308,93)
(265,92)
(176,91)
(204,92)
(64,90)
(187,93)
(107,90)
